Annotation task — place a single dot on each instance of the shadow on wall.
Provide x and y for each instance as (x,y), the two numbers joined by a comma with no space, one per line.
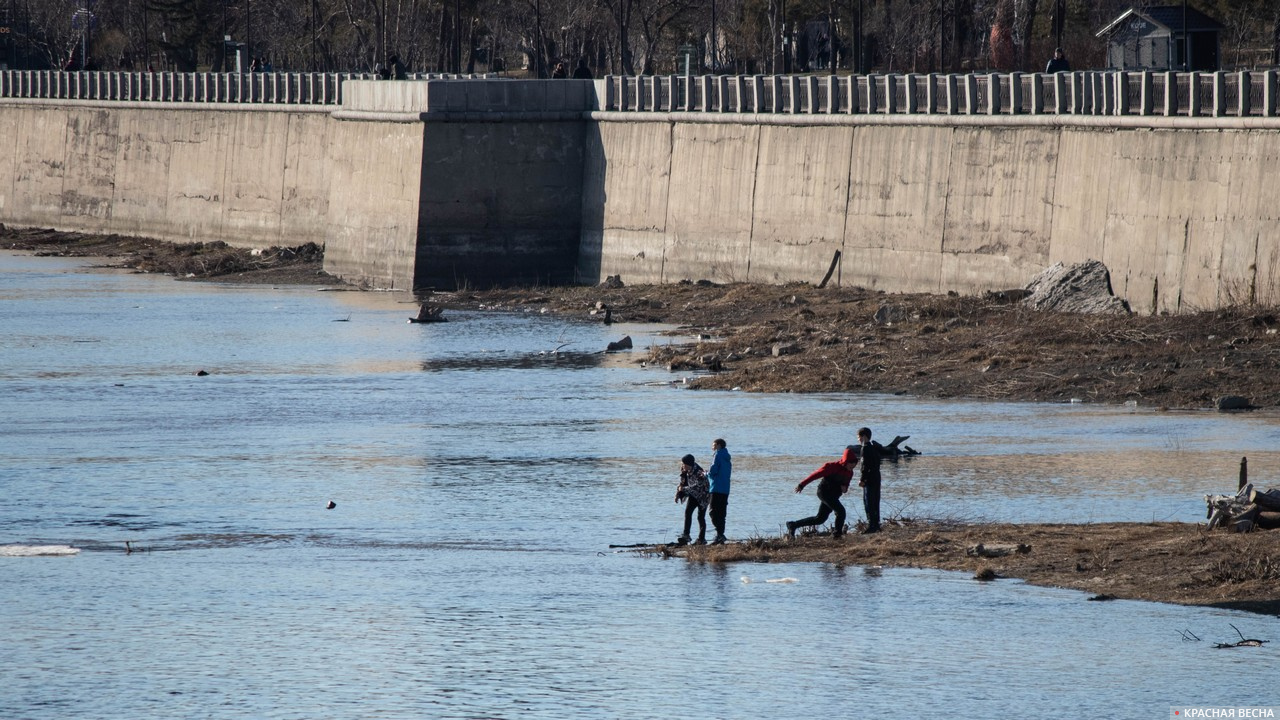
(500,203)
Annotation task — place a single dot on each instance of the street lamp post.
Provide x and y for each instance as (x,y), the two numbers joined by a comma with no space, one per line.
(1186,40)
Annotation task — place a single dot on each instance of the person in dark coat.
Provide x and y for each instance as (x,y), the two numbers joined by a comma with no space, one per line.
(1058,63)
(582,72)
(695,492)
(870,454)
(834,481)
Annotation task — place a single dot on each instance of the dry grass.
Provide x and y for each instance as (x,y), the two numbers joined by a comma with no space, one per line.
(1163,562)
(937,346)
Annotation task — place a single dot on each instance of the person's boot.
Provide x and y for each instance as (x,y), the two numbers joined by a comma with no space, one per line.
(682,540)
(720,539)
(791,530)
(702,540)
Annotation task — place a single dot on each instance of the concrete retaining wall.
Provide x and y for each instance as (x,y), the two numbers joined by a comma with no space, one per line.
(1180,216)
(416,185)
(408,185)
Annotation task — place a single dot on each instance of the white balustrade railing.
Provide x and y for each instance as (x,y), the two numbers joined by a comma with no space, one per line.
(1196,94)
(1108,93)
(281,88)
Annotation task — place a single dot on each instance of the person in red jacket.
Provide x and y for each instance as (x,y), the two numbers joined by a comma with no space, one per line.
(835,478)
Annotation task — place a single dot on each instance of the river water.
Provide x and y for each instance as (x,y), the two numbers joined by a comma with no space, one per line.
(479,477)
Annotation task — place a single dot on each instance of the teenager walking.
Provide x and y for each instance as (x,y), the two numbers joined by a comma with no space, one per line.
(834,480)
(695,492)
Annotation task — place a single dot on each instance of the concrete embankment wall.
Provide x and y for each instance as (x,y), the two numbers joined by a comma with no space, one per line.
(252,177)
(455,183)
(1184,217)
(407,185)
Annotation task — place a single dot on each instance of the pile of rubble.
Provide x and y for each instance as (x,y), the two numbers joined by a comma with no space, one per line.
(1247,510)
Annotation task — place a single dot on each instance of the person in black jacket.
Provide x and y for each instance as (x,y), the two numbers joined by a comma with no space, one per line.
(1058,63)
(582,72)
(870,454)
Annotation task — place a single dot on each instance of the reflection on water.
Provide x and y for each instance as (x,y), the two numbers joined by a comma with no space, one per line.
(478,480)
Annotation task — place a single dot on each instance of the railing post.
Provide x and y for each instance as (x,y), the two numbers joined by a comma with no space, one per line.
(1269,93)
(971,94)
(993,94)
(909,93)
(953,94)
(1193,102)
(610,92)
(1244,97)
(1147,92)
(1015,93)
(1219,94)
(1122,93)
(833,95)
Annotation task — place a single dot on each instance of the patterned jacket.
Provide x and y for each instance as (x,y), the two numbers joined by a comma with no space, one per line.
(694,486)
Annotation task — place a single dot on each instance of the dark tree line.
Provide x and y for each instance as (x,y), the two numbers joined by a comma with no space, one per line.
(528,37)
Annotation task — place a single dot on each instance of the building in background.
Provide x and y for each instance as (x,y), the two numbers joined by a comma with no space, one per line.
(1166,37)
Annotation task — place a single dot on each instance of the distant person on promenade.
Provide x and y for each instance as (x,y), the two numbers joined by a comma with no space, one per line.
(560,71)
(695,492)
(1058,63)
(582,72)
(395,68)
(870,454)
(721,469)
(835,478)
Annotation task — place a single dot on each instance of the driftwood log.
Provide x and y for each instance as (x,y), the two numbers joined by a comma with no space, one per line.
(1247,510)
(428,313)
(1267,500)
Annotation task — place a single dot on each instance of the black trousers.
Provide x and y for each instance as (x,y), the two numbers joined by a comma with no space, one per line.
(719,505)
(829,496)
(690,506)
(871,503)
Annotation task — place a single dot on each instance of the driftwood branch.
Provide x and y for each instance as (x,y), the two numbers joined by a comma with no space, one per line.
(835,260)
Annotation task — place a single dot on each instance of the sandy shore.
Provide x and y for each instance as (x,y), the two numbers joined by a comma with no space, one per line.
(1177,563)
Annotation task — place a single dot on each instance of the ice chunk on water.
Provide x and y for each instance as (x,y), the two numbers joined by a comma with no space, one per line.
(36,550)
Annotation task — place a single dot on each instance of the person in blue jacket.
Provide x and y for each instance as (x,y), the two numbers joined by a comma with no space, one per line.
(721,469)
